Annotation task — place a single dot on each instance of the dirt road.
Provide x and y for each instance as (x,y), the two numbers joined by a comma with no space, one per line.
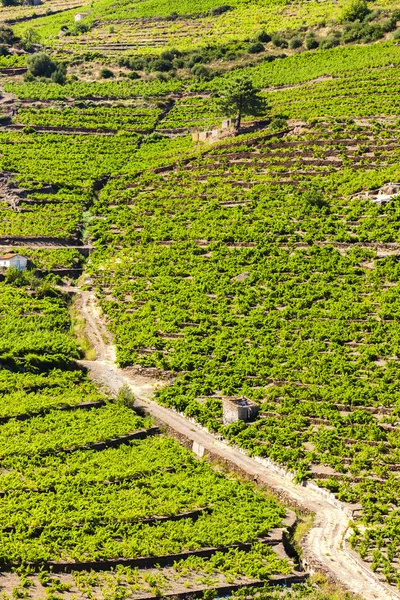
(324,542)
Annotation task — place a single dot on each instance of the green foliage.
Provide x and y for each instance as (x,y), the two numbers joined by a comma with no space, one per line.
(220,10)
(238,97)
(156,476)
(162,65)
(264,37)
(295,43)
(16,277)
(81,89)
(278,123)
(136,117)
(247,268)
(311,43)
(125,396)
(41,65)
(80,28)
(59,74)
(7,35)
(355,10)
(201,72)
(279,42)
(259,278)
(29,39)
(256,48)
(106,73)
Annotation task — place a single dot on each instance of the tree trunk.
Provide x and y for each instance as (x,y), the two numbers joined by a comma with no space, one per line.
(238,122)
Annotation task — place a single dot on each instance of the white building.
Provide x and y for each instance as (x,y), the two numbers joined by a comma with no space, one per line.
(13,260)
(80,16)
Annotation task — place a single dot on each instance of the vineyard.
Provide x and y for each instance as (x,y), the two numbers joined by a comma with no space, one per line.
(87,483)
(255,270)
(253,266)
(149,28)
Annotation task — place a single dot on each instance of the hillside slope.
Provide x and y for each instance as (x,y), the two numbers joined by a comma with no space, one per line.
(261,263)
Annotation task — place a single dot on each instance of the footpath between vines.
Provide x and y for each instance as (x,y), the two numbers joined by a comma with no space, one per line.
(324,548)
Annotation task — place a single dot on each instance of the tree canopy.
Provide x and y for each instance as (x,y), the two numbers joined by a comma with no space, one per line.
(239,97)
(41,65)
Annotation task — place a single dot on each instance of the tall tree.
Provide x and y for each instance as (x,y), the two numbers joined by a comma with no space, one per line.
(238,97)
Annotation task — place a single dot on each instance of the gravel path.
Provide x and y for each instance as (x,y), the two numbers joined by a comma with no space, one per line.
(323,545)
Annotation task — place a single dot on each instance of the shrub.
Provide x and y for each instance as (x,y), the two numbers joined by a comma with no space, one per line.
(372,33)
(133,75)
(58,76)
(7,35)
(357,10)
(269,58)
(256,48)
(153,138)
(361,32)
(106,73)
(278,123)
(329,42)
(163,66)
(161,76)
(167,55)
(125,396)
(80,28)
(371,16)
(194,59)
(174,51)
(137,64)
(314,199)
(295,43)
(311,43)
(389,25)
(16,277)
(279,42)
(201,72)
(29,39)
(264,37)
(352,33)
(3,50)
(28,77)
(41,65)
(179,63)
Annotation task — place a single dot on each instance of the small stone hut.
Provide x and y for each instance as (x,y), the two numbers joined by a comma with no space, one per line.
(238,409)
(80,16)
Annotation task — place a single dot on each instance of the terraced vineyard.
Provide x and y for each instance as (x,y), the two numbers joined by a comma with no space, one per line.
(141,120)
(251,271)
(24,12)
(255,265)
(87,483)
(151,28)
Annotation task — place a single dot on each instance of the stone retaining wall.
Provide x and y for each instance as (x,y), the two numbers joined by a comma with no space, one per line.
(38,413)
(140,562)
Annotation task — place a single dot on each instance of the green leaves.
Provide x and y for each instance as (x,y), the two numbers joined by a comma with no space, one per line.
(238,97)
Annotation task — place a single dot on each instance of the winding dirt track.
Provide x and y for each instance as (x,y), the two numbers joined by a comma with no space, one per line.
(325,541)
